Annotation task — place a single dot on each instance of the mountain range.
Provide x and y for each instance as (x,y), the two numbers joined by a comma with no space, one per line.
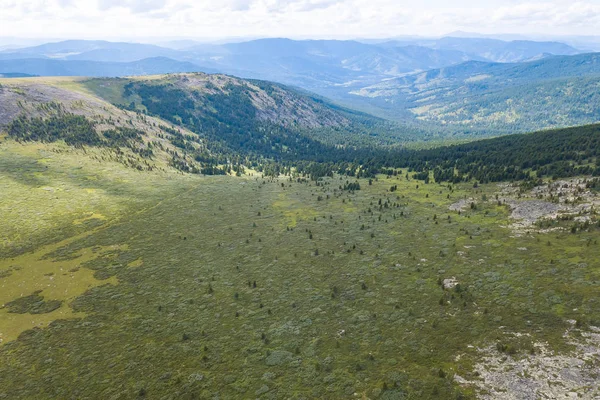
(473,85)
(491,49)
(265,56)
(54,67)
(497,97)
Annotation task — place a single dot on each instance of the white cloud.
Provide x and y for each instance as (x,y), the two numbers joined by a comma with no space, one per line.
(292,18)
(135,6)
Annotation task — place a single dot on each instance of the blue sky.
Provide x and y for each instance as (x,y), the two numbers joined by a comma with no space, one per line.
(113,19)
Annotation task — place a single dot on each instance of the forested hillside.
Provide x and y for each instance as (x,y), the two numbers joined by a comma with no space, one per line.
(490,98)
(528,157)
(197,123)
(215,124)
(253,118)
(554,154)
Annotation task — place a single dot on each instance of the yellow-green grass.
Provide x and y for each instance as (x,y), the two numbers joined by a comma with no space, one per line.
(52,195)
(51,188)
(61,280)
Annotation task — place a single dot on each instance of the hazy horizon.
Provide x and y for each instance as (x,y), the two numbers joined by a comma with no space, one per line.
(583,41)
(136,20)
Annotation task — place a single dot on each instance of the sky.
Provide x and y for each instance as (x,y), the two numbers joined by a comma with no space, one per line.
(215,19)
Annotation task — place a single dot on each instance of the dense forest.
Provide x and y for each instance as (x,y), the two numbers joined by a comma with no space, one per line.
(231,133)
(276,150)
(557,153)
(75,130)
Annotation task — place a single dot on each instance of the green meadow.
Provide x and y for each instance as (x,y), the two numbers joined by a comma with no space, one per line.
(119,284)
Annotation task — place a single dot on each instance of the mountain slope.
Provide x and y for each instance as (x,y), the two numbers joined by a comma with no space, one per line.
(62,109)
(193,122)
(254,118)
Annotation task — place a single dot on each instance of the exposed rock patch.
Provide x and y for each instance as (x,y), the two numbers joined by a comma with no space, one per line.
(529,211)
(450,283)
(565,199)
(461,205)
(544,375)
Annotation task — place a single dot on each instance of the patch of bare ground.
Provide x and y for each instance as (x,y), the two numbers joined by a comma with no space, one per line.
(543,375)
(461,205)
(527,212)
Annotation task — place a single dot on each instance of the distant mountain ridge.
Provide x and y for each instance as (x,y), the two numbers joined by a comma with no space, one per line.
(387,58)
(94,50)
(494,50)
(508,73)
(312,64)
(557,91)
(51,67)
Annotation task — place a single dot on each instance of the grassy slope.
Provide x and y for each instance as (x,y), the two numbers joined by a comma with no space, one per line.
(30,97)
(172,310)
(53,194)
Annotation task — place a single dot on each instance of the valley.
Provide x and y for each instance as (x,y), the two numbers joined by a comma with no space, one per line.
(157,244)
